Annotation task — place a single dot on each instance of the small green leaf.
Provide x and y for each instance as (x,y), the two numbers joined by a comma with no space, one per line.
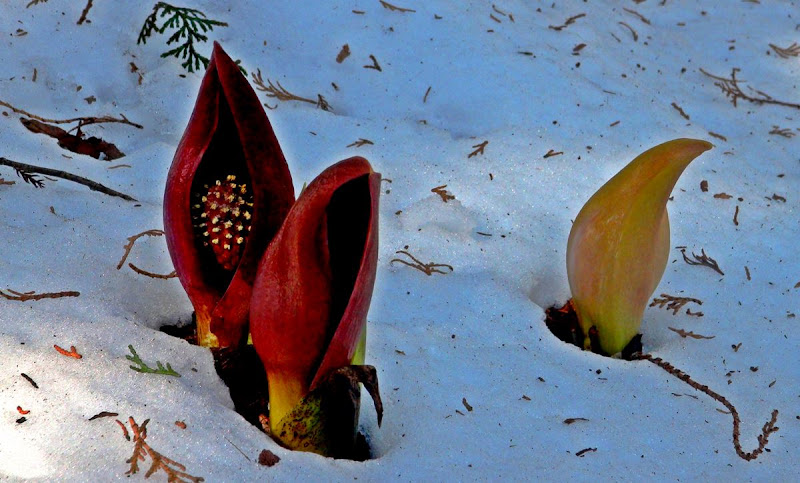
(144,368)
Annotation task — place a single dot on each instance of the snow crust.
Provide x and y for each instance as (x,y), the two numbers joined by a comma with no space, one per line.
(476,334)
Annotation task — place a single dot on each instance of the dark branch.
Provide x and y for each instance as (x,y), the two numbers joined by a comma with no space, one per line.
(92,185)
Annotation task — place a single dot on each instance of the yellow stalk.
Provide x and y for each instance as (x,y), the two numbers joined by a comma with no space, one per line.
(285,391)
(205,337)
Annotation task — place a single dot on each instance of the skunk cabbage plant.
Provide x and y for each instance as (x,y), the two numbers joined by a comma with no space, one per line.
(228,191)
(309,308)
(619,244)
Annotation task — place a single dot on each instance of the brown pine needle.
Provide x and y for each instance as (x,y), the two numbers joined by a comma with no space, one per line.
(680,111)
(633,32)
(566,23)
(634,12)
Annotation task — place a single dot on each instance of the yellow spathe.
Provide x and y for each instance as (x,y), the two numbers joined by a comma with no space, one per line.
(619,244)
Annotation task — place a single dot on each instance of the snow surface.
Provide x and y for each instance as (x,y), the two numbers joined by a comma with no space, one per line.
(476,333)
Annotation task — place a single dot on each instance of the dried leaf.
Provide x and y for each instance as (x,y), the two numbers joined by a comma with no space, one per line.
(343,54)
(91,146)
(268,458)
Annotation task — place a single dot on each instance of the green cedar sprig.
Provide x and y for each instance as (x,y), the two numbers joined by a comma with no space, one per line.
(160,369)
(190,26)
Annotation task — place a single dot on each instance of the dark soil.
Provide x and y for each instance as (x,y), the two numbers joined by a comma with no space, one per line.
(563,323)
(240,369)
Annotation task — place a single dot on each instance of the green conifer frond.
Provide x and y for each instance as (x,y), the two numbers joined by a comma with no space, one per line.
(189,24)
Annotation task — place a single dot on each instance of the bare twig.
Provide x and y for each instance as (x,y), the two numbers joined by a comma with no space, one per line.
(426,268)
(673,303)
(702,259)
(768,428)
(282,94)
(92,185)
(27,296)
(82,121)
(730,87)
(85,12)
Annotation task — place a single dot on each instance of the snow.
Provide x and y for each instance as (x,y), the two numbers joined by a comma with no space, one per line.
(475,334)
